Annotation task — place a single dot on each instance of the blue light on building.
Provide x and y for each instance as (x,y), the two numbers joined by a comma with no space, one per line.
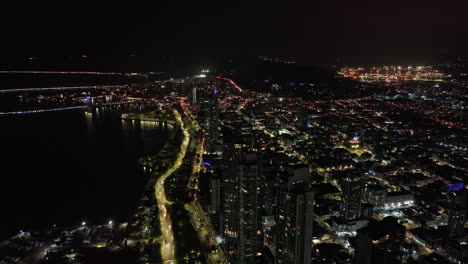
(456,187)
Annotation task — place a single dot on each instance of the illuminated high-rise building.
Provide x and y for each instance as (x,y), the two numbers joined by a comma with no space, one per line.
(294,221)
(230,196)
(193,96)
(209,114)
(250,205)
(351,204)
(241,207)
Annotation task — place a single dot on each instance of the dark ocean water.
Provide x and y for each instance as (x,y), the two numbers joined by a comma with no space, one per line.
(71,166)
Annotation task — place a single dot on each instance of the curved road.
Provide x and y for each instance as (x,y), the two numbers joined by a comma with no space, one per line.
(167,245)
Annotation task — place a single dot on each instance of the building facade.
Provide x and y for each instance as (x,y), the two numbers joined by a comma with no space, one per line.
(294,223)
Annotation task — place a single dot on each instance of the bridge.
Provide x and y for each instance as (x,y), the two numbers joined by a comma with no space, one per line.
(61,72)
(25,90)
(42,110)
(35,111)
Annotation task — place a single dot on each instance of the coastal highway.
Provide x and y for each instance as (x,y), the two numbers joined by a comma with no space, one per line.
(167,245)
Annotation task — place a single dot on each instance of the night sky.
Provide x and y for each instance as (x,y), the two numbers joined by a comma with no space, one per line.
(317,32)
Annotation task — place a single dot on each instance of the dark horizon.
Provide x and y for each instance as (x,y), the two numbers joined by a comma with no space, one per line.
(357,33)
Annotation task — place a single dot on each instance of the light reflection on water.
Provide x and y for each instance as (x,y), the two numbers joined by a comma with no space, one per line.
(71,166)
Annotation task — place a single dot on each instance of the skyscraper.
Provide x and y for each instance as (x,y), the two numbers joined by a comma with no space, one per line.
(229,224)
(457,213)
(351,203)
(294,222)
(250,234)
(363,247)
(193,96)
(215,193)
(380,242)
(210,115)
(241,189)
(456,221)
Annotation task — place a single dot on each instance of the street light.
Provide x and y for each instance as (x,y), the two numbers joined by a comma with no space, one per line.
(83,224)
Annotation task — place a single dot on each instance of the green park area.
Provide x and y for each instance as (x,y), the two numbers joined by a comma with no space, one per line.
(358,152)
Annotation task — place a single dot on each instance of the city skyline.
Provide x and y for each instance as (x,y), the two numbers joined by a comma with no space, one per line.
(301,132)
